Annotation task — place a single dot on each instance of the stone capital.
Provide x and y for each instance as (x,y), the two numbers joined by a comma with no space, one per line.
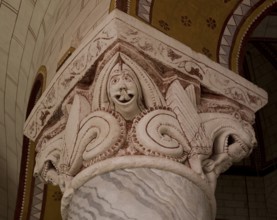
(132,101)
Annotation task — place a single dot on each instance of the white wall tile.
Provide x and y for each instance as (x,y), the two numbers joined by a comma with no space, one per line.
(6,27)
(99,12)
(272,21)
(14,3)
(10,134)
(21,89)
(3,204)
(3,147)
(19,154)
(38,13)
(24,16)
(12,192)
(38,48)
(20,118)
(71,27)
(15,55)
(30,82)
(75,6)
(50,14)
(58,28)
(62,12)
(271,32)
(3,68)
(28,53)
(2,110)
(12,164)
(3,179)
(53,59)
(10,97)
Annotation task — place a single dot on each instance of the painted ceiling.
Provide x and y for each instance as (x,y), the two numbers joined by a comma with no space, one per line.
(214,28)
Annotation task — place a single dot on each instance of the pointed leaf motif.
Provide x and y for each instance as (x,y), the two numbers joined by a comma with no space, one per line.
(183,103)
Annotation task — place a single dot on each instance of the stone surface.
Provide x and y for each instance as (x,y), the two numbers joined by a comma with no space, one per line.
(130,100)
(141,194)
(172,54)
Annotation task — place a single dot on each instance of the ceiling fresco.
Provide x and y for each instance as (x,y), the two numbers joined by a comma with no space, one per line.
(214,28)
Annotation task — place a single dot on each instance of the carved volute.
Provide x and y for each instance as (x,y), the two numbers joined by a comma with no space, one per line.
(147,106)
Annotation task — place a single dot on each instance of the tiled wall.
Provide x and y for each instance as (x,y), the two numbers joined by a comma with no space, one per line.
(254,198)
(34,33)
(264,74)
(267,28)
(247,198)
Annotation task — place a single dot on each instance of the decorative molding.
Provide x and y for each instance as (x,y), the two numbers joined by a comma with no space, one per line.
(119,26)
(234,22)
(28,202)
(66,55)
(238,27)
(144,8)
(146,104)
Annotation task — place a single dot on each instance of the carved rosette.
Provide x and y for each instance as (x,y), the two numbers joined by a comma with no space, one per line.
(144,106)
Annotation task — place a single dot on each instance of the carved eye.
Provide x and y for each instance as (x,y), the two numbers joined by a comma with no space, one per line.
(127,78)
(114,80)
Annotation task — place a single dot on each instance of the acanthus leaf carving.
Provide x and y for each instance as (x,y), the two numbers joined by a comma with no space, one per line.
(123,113)
(128,113)
(171,54)
(79,109)
(183,103)
(48,159)
(128,98)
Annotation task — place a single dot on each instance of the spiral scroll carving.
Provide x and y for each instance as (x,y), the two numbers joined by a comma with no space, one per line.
(157,132)
(101,135)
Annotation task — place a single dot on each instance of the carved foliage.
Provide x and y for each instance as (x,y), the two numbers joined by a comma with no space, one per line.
(101,135)
(208,74)
(126,112)
(48,159)
(157,132)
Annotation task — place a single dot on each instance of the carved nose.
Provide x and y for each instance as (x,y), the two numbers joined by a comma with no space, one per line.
(122,86)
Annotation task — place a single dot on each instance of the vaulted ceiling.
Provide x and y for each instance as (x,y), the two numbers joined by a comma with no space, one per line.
(39,32)
(216,29)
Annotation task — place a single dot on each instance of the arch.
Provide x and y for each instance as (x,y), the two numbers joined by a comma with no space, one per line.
(250,22)
(26,182)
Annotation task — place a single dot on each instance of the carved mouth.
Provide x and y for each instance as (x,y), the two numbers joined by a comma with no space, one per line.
(234,139)
(48,165)
(124,97)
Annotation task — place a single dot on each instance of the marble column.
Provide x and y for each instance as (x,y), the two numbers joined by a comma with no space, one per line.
(139,193)
(138,126)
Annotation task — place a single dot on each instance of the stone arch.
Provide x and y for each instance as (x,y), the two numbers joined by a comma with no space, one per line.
(26,185)
(248,23)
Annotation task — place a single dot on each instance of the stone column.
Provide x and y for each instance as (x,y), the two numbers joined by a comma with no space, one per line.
(138,126)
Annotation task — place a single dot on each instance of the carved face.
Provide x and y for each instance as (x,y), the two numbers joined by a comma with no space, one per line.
(124,90)
(238,139)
